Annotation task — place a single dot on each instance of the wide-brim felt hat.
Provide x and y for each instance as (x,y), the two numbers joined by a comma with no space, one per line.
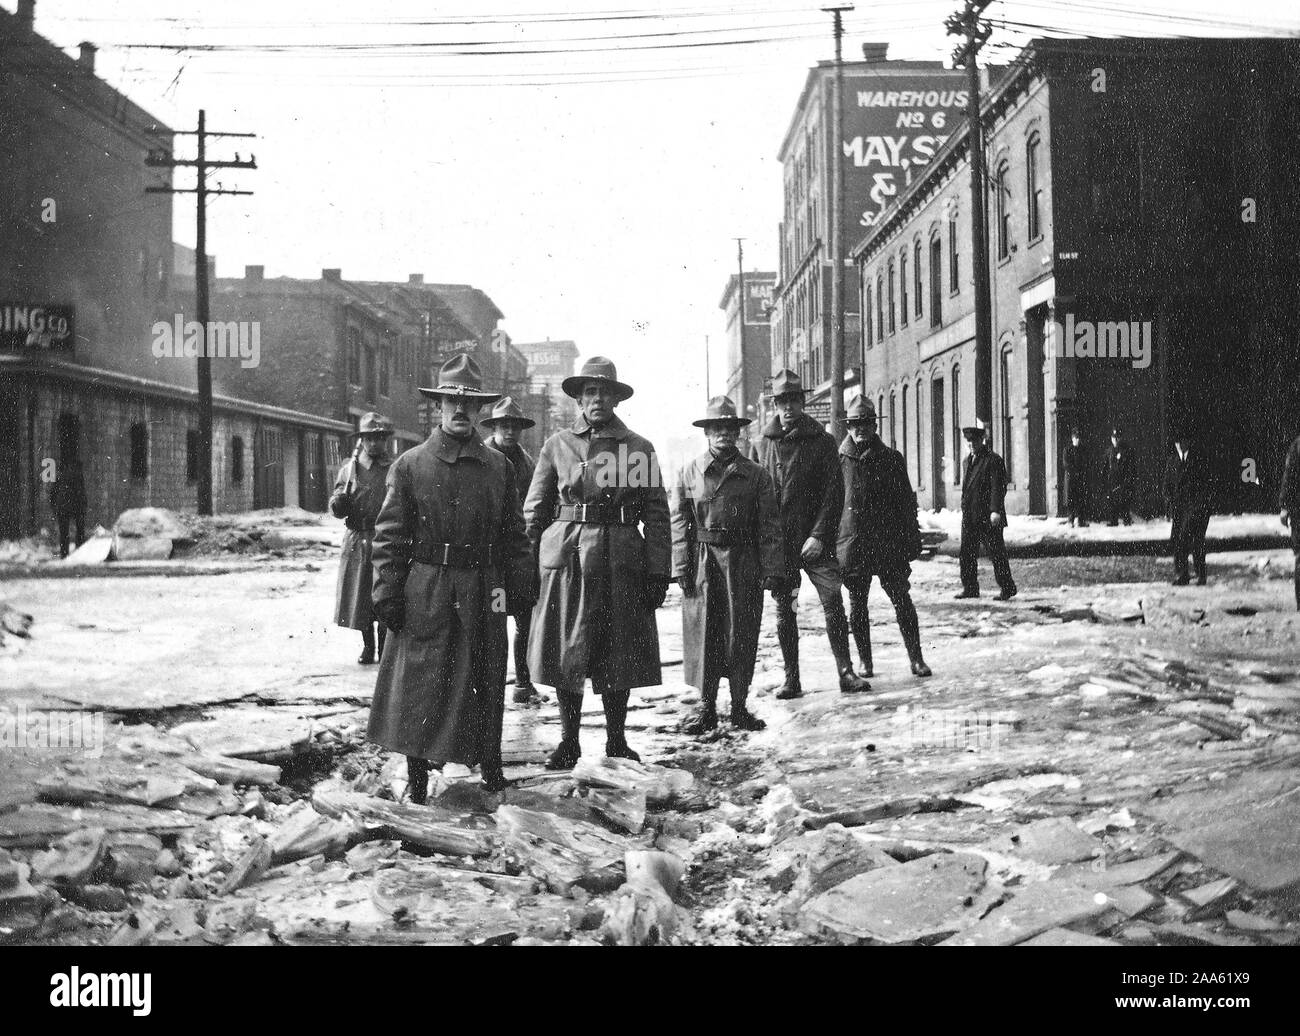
(861,411)
(975,431)
(506,409)
(785,383)
(598,368)
(721,410)
(373,424)
(461,376)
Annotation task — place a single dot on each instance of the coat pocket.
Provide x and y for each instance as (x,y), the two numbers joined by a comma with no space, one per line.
(554,549)
(422,615)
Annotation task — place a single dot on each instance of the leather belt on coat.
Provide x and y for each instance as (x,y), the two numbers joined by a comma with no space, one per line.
(597,514)
(456,555)
(724,537)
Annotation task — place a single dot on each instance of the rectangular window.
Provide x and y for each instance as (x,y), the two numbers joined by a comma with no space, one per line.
(956,426)
(354,357)
(236,460)
(902,286)
(917,286)
(891,297)
(866,315)
(953,285)
(384,358)
(936,281)
(1007,441)
(140,450)
(880,310)
(191,455)
(1033,192)
(1002,209)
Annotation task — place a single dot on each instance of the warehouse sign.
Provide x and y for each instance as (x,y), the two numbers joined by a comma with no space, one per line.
(893,125)
(26,326)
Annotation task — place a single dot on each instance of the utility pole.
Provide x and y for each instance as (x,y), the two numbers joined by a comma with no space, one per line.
(740,315)
(837,230)
(967,24)
(202,191)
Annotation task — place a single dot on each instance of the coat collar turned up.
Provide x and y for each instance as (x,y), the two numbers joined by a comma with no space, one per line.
(616,428)
(804,427)
(450,449)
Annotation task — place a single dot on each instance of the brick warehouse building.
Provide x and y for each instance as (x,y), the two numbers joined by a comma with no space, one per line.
(86,252)
(882,152)
(1130,181)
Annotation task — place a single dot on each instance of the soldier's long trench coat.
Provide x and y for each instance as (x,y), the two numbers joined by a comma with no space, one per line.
(593,576)
(442,676)
(735,502)
(358,506)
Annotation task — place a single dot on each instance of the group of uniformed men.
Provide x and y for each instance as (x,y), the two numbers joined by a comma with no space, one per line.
(580,548)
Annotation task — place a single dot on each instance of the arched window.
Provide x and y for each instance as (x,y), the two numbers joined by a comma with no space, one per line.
(953,285)
(936,280)
(893,420)
(918,287)
(880,308)
(902,287)
(903,432)
(956,424)
(1033,190)
(892,326)
(1002,222)
(866,314)
(1005,386)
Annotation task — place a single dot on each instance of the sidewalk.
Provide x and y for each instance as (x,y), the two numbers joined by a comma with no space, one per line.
(1034,536)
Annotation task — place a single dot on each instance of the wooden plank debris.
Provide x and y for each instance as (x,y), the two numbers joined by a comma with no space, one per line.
(424,826)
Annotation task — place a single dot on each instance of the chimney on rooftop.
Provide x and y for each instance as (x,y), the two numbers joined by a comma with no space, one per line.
(26,13)
(874,52)
(254,274)
(87,56)
(415,278)
(332,274)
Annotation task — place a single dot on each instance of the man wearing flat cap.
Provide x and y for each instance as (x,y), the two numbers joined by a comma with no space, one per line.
(983,515)
(801,459)
(450,560)
(880,535)
(726,551)
(357,497)
(505,422)
(597,516)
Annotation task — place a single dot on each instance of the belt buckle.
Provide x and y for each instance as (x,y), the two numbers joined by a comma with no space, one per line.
(582,512)
(467,548)
(446,554)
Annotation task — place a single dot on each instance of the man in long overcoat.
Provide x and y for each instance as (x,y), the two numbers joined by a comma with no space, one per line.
(802,460)
(880,535)
(358,495)
(1119,481)
(1289,505)
(505,423)
(450,560)
(1189,494)
(983,516)
(600,577)
(726,550)
(1076,481)
(68,502)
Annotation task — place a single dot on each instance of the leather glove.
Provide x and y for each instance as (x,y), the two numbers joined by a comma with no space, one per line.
(813,549)
(391,612)
(656,589)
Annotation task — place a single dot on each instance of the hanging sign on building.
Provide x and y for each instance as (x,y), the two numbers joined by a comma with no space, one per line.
(26,326)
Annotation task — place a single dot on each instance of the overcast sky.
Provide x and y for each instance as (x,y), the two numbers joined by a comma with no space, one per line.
(594,190)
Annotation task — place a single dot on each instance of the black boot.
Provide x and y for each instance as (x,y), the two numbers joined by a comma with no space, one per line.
(860,624)
(850,682)
(367,646)
(707,718)
(614,701)
(741,717)
(383,636)
(787,634)
(568,751)
(417,780)
(910,627)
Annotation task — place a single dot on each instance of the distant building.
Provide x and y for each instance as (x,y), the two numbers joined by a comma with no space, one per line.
(1142,233)
(897,114)
(549,363)
(86,278)
(749,344)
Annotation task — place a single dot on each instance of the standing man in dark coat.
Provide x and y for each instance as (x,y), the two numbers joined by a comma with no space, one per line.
(505,423)
(358,495)
(983,516)
(68,502)
(1076,481)
(879,533)
(451,560)
(726,551)
(802,461)
(1119,481)
(1189,494)
(601,579)
(1289,503)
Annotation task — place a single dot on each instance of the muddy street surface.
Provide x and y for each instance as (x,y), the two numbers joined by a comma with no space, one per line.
(1104,759)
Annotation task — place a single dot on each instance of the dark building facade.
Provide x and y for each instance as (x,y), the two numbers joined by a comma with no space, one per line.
(1141,236)
(749,340)
(86,279)
(549,363)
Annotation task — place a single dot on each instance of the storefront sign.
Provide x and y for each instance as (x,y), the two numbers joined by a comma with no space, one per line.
(25,326)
